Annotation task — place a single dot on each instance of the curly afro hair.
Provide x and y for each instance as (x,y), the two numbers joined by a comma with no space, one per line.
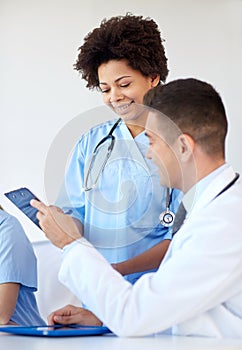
(130,37)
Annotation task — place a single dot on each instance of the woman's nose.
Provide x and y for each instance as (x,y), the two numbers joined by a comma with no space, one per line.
(115,95)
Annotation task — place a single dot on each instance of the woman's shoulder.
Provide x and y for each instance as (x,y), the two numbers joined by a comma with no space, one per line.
(101,129)
(96,133)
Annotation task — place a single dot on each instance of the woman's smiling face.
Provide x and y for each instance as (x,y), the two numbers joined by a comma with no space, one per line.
(123,87)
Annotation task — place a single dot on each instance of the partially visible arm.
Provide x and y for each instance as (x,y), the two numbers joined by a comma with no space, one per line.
(148,260)
(8,299)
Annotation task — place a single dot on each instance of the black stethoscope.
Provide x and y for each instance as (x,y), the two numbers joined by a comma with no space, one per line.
(167,217)
(229,185)
(109,137)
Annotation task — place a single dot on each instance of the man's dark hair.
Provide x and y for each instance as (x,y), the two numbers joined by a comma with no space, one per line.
(129,37)
(196,108)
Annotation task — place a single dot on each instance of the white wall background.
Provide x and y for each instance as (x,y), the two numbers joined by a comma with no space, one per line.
(40,93)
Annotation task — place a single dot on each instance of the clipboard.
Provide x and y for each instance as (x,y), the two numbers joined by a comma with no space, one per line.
(21,198)
(56,330)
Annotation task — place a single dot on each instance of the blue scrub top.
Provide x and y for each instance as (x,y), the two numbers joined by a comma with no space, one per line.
(18,265)
(120,215)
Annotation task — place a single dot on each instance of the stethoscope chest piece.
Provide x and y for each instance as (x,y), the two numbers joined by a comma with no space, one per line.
(167,218)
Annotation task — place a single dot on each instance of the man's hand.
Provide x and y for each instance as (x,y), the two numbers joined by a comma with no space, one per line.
(61,229)
(70,314)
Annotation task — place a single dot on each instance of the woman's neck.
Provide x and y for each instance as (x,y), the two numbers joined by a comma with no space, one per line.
(135,130)
(137,125)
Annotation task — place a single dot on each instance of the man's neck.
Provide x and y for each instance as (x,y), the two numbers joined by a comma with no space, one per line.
(203,169)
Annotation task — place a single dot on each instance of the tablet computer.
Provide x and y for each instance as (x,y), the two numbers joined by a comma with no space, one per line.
(56,330)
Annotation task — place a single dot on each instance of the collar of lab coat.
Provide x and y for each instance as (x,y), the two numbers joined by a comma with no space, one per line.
(212,190)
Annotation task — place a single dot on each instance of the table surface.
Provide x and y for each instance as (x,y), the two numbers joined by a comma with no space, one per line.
(112,342)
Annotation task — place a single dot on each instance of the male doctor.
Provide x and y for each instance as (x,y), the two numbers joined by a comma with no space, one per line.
(197,289)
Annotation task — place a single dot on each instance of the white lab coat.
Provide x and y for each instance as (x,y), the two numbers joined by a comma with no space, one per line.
(196,291)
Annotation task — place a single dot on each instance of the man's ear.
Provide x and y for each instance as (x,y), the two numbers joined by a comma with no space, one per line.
(186,146)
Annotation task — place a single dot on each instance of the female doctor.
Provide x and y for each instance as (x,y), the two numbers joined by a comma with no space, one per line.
(113,190)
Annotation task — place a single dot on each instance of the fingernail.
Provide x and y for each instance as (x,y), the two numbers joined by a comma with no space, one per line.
(58,318)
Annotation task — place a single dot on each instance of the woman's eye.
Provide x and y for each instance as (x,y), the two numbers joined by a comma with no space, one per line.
(125,85)
(104,91)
